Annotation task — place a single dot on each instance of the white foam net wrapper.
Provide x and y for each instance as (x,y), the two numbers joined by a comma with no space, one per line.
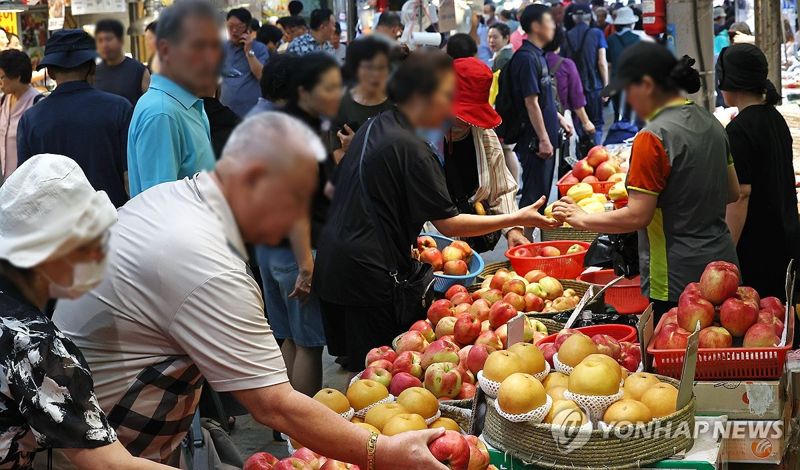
(433,418)
(363,412)
(596,405)
(563,368)
(543,374)
(348,415)
(489,387)
(355,379)
(536,415)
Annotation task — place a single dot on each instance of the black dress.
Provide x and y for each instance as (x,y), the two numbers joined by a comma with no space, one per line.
(761,145)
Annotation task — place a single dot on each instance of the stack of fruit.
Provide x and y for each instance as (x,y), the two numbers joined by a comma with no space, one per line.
(597,167)
(534,292)
(572,346)
(546,251)
(453,260)
(726,313)
(301,459)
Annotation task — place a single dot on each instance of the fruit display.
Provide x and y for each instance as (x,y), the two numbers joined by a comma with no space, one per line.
(598,167)
(573,346)
(534,292)
(301,459)
(729,315)
(453,260)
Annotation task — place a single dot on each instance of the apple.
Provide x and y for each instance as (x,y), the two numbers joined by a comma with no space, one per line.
(409,362)
(260,461)
(478,294)
(661,399)
(425,241)
(533,361)
(766,317)
(381,364)
(536,289)
(310,457)
(419,401)
(564,335)
(455,289)
(594,377)
(552,287)
(467,377)
(737,316)
(549,252)
(365,392)
(443,380)
(671,317)
(674,338)
(617,178)
(499,278)
(748,294)
(445,327)
(333,399)
(477,357)
(383,352)
(693,309)
(719,282)
(533,303)
(466,330)
(520,393)
(638,383)
(500,364)
(451,253)
(569,180)
(575,249)
(631,356)
(492,296)
(456,268)
(761,335)
(515,300)
(715,337)
(607,345)
(489,338)
(597,155)
(773,305)
(424,327)
(590,179)
(382,376)
(575,349)
(479,310)
(514,285)
(402,381)
(439,351)
(581,169)
(463,354)
(605,170)
(445,423)
(461,310)
(626,412)
(534,275)
(548,351)
(461,298)
(404,423)
(467,392)
(478,453)
(331,464)
(500,313)
(451,449)
(502,333)
(439,309)
(464,247)
(433,257)
(292,463)
(485,326)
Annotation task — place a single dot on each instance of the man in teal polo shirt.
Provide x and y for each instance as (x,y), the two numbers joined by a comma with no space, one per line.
(169,137)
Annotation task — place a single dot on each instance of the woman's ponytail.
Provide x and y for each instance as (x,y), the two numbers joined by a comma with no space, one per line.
(685,76)
(772,96)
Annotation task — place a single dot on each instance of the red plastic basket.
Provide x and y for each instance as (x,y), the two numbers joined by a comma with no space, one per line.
(618,332)
(625,296)
(601,187)
(523,259)
(726,363)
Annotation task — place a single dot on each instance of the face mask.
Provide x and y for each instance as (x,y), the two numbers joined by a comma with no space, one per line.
(85,277)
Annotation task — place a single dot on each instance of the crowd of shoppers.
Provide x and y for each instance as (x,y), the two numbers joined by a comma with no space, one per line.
(207,221)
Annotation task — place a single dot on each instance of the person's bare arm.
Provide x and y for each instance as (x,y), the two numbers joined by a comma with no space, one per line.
(145,80)
(537,121)
(111,457)
(637,215)
(300,240)
(282,408)
(256,67)
(587,124)
(469,225)
(736,214)
(733,185)
(602,65)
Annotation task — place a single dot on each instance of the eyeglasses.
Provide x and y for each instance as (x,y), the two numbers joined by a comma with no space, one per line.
(237,29)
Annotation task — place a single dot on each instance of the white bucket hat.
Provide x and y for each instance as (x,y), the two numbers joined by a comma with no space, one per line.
(625,16)
(48,209)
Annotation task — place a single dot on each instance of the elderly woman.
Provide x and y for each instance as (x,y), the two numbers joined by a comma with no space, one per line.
(54,229)
(18,95)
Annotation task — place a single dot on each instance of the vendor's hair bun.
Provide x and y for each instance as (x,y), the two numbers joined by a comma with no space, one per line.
(685,76)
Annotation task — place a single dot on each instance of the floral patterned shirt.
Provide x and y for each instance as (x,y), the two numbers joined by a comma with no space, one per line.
(47,395)
(306,44)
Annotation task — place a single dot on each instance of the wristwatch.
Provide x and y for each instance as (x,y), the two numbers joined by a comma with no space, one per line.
(252,53)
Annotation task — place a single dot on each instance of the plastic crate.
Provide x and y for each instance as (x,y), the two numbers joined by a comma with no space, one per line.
(443,281)
(616,331)
(602,187)
(568,266)
(726,363)
(625,296)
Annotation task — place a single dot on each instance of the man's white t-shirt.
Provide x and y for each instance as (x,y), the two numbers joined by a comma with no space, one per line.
(177,305)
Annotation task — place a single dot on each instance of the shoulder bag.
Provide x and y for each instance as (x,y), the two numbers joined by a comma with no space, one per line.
(411,292)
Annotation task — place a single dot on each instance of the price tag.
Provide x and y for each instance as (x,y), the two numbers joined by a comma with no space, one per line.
(579,308)
(516,330)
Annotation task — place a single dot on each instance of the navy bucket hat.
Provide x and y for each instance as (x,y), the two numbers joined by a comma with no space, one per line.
(68,48)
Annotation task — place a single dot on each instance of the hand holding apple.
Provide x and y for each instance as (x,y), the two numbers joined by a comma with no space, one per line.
(451,449)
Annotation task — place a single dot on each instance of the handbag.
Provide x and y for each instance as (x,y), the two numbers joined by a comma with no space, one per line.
(480,243)
(411,292)
(617,251)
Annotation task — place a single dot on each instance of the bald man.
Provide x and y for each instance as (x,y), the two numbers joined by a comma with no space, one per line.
(178,305)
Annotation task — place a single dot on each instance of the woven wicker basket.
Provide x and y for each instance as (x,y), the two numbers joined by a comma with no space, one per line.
(459,411)
(537,445)
(567,233)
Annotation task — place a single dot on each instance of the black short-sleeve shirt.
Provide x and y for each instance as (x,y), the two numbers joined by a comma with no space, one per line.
(47,395)
(761,145)
(406,184)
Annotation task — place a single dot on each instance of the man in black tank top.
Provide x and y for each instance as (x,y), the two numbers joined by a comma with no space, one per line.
(117,73)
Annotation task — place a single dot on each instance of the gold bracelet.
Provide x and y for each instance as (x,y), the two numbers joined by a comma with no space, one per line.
(372,446)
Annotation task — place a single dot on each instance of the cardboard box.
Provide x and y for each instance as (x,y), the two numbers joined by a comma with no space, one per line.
(742,400)
(762,444)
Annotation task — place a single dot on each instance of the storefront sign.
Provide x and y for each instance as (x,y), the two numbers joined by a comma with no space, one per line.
(8,21)
(85,7)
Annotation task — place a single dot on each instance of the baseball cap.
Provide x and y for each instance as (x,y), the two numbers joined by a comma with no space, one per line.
(643,58)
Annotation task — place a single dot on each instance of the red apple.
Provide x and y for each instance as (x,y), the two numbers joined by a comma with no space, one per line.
(260,461)
(766,317)
(409,362)
(411,341)
(464,247)
(445,327)
(452,450)
(607,345)
(467,377)
(492,296)
(292,463)
(630,356)
(480,310)
(548,350)
(604,171)
(433,257)
(748,294)
(515,300)
(719,282)
(478,454)
(569,180)
(516,286)
(477,357)
(671,316)
(456,268)
(383,352)
(501,313)
(760,335)
(597,155)
(310,457)
(461,310)
(453,290)
(440,351)
(382,376)
(672,338)
(737,316)
(382,364)
(693,288)
(581,169)
(489,338)
(502,333)
(590,179)
(533,303)
(535,276)
(425,241)
(467,392)
(774,306)
(463,354)
(331,464)
(466,330)
(443,380)
(692,309)
(499,278)
(439,309)
(402,381)
(549,252)
(461,298)
(424,327)
(715,337)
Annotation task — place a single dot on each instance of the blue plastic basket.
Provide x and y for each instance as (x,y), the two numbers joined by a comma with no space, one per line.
(444,281)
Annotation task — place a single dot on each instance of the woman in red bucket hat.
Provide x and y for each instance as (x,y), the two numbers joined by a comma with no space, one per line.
(477,176)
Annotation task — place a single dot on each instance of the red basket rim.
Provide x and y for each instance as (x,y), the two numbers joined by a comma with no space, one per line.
(509,255)
(624,283)
(604,329)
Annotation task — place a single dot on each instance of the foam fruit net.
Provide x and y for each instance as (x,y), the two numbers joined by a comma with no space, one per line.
(363,412)
(433,418)
(563,368)
(535,416)
(541,375)
(348,415)
(596,405)
(489,387)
